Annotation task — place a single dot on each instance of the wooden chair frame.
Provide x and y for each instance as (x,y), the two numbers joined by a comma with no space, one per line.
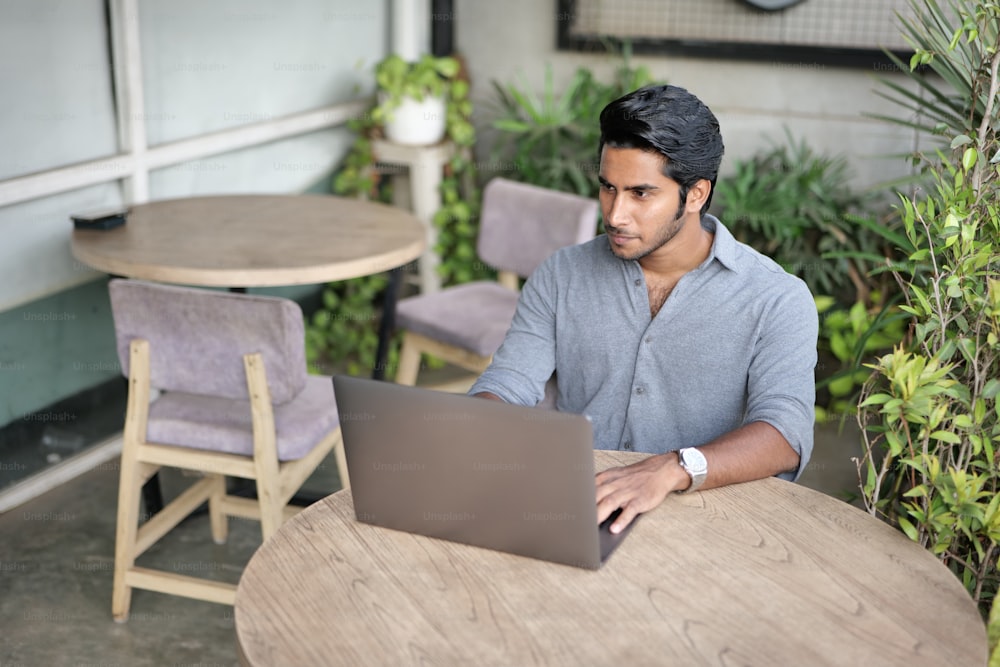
(276,483)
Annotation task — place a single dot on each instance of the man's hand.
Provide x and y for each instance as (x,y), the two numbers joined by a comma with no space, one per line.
(638,488)
(754,451)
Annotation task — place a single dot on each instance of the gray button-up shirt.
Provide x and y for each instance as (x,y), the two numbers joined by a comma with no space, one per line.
(735,343)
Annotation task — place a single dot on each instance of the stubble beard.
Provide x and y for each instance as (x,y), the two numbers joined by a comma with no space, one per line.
(664,235)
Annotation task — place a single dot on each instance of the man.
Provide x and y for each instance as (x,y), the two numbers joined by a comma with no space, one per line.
(674,338)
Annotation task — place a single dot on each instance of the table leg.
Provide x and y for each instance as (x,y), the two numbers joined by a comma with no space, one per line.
(388,323)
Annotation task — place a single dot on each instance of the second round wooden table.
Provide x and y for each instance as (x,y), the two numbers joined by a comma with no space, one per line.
(254,240)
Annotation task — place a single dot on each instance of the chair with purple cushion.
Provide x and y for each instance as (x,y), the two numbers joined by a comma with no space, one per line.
(234,398)
(464,324)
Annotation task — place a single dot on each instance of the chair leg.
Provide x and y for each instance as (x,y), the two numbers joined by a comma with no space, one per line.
(216,513)
(265,449)
(341,457)
(129,488)
(409,362)
(271,509)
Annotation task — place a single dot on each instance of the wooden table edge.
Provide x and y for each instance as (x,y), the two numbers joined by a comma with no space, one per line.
(271,277)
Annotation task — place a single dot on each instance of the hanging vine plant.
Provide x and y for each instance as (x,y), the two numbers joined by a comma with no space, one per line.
(342,335)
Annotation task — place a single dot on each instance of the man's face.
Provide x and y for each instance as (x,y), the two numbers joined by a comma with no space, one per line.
(641,207)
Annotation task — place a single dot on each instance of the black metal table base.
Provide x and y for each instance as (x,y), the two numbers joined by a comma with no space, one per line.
(387,325)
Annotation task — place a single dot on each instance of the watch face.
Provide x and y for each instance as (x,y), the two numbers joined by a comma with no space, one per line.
(694,461)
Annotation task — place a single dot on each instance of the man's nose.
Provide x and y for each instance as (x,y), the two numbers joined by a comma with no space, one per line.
(617,214)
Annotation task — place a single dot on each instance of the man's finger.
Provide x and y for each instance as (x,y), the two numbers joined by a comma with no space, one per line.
(605,488)
(606,506)
(624,519)
(610,474)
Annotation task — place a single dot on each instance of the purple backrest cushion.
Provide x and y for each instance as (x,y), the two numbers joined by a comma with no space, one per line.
(522,224)
(197,338)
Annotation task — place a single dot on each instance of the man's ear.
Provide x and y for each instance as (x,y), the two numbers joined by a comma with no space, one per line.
(697,196)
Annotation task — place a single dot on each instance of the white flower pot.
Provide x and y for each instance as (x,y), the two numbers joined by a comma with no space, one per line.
(416,123)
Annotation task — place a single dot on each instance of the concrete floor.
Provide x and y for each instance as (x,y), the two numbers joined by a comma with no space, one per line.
(56,559)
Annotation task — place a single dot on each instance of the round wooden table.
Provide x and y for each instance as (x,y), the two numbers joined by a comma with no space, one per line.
(254,240)
(764,573)
(241,241)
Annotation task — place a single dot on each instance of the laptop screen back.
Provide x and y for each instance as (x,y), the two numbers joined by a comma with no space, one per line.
(479,472)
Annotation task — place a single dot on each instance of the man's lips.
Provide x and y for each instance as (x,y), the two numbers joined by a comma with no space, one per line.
(619,239)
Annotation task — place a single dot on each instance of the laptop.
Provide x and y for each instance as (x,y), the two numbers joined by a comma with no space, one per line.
(474,471)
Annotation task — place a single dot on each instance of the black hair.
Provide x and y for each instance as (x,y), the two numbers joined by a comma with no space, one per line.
(672,122)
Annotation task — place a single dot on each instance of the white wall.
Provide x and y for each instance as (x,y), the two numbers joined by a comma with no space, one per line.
(206,67)
(754,101)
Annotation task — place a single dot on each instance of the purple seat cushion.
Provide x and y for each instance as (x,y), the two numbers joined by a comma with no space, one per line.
(473,316)
(224,425)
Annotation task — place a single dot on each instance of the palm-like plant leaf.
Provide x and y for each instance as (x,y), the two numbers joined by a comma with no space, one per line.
(950,106)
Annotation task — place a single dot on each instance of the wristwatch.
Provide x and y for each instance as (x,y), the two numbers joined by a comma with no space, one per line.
(694,464)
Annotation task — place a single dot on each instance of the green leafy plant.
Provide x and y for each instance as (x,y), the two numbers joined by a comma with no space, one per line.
(956,103)
(343,332)
(342,335)
(798,207)
(851,336)
(457,225)
(396,79)
(432,76)
(929,413)
(551,139)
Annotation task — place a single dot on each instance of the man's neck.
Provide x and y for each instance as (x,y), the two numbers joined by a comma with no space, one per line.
(685,252)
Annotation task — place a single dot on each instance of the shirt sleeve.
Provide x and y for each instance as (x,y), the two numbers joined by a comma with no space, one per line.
(526,358)
(781,386)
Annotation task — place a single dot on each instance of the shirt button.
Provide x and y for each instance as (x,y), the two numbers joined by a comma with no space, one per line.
(640,390)
(627,445)
(648,340)
(638,282)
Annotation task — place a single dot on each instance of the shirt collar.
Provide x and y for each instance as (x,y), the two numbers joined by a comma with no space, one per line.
(723,243)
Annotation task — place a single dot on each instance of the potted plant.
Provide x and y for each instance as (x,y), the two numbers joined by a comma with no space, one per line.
(413,98)
(352,340)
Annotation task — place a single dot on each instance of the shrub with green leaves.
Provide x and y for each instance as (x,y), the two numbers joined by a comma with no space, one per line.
(797,206)
(930,415)
(851,336)
(342,335)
